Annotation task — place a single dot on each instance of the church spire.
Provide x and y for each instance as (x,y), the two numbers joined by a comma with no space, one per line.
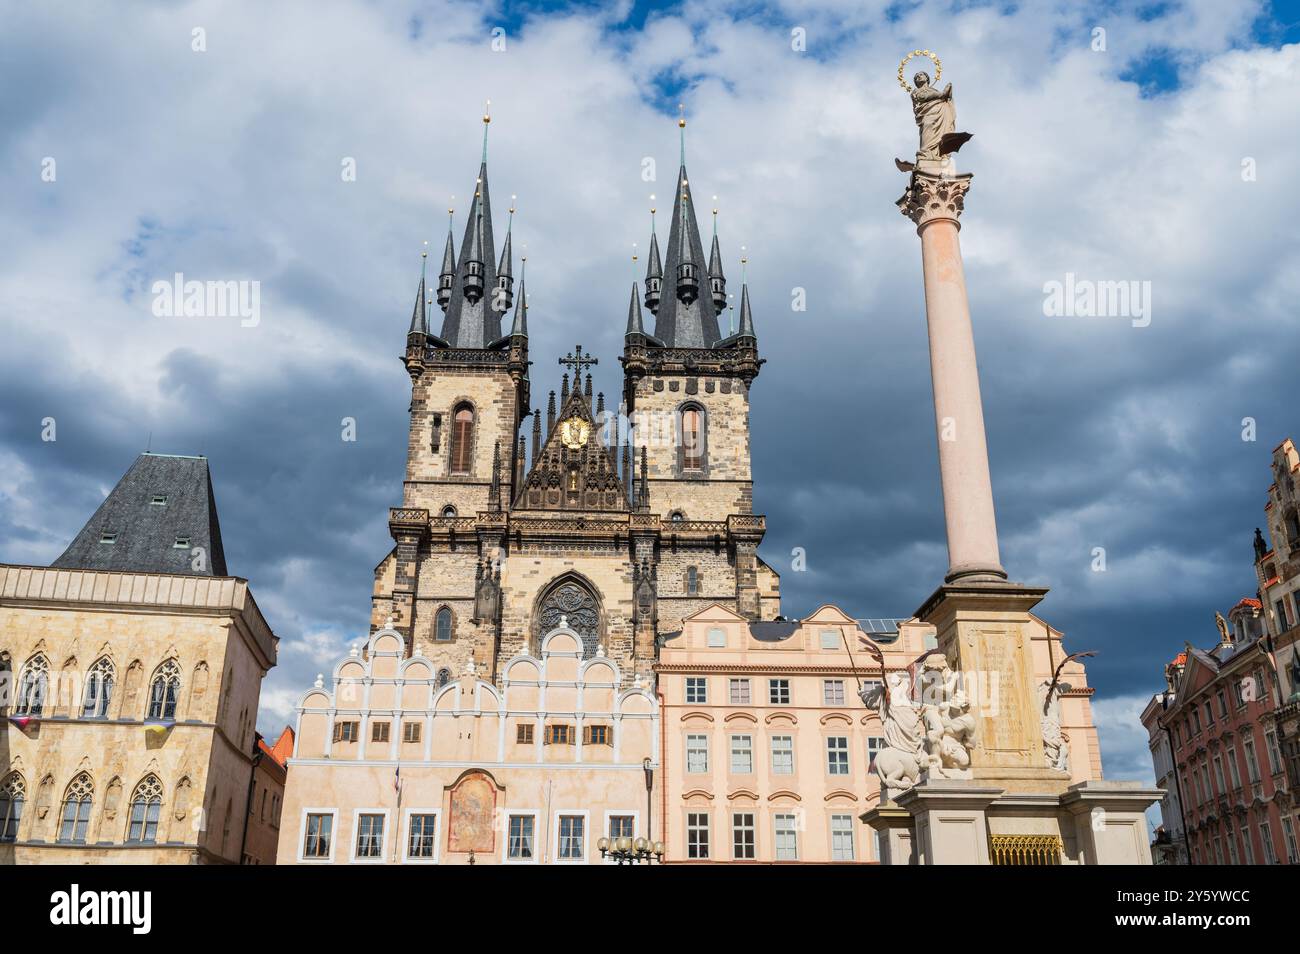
(635,329)
(717,281)
(472,322)
(520,327)
(746,317)
(682,320)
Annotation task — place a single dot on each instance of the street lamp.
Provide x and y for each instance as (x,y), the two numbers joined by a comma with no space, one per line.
(628,851)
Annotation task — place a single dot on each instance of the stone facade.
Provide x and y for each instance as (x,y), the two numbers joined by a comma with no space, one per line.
(190,767)
(266,799)
(394,766)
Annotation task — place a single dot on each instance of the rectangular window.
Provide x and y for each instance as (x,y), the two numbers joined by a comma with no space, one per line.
(158,500)
(1292,852)
(1234,773)
(696,690)
(1274,754)
(742,755)
(316,843)
(1223,703)
(346,731)
(370,836)
(738,692)
(1218,774)
(1209,714)
(1283,623)
(422,837)
(837,755)
(520,844)
(786,838)
(841,838)
(830,639)
(1252,765)
(181,543)
(108,537)
(717,638)
(595,735)
(524,733)
(379,731)
(742,836)
(1266,840)
(778,692)
(697,753)
(874,744)
(782,755)
(410,732)
(833,692)
(559,735)
(620,826)
(697,835)
(1247,849)
(571,837)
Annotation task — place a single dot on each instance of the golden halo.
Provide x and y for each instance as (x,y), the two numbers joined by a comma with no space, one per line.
(938,68)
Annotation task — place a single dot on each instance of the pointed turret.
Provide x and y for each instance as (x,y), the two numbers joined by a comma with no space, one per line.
(635,329)
(520,327)
(717,281)
(504,296)
(447,277)
(746,318)
(472,322)
(419,317)
(654,272)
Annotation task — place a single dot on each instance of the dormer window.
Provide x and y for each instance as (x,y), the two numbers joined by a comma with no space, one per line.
(158,500)
(108,536)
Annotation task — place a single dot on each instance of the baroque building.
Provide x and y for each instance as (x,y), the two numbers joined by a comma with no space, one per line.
(130,671)
(617,522)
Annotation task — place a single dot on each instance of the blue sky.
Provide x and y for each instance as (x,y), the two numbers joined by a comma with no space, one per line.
(1119,164)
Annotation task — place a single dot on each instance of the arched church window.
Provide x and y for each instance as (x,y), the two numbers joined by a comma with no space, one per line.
(692,438)
(692,580)
(13,795)
(164,691)
(33,686)
(444,677)
(676,516)
(442,625)
(449,511)
(577,607)
(146,806)
(77,800)
(99,690)
(462,438)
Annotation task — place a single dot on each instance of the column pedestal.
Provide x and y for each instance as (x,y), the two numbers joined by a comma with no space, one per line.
(1110,822)
(948,818)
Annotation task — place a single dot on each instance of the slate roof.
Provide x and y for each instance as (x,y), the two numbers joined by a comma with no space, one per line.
(147,532)
(677,324)
(475,324)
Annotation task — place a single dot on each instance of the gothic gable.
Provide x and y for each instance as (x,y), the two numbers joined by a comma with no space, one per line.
(574,470)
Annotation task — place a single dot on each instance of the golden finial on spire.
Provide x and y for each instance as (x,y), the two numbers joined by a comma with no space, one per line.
(681,120)
(512,204)
(425,253)
(652,205)
(487,112)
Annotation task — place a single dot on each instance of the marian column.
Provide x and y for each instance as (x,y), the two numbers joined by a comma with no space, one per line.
(982,621)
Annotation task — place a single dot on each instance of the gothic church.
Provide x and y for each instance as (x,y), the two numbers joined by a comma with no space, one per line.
(621,521)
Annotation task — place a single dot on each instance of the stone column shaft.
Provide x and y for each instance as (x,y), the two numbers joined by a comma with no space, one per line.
(934,203)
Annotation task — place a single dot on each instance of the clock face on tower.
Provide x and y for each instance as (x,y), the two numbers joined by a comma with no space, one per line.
(574,432)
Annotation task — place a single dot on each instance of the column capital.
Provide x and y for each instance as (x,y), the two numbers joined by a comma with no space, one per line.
(929,197)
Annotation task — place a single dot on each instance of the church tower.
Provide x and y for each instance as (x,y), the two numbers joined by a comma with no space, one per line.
(622,521)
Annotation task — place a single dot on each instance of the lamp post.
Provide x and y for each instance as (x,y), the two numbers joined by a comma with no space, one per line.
(627,851)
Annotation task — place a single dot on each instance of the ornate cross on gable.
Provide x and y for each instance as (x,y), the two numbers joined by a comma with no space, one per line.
(578,361)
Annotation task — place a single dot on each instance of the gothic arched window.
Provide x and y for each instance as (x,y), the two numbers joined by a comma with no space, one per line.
(577,607)
(164,691)
(146,806)
(442,625)
(691,447)
(33,686)
(99,690)
(462,438)
(13,793)
(449,511)
(444,677)
(77,801)
(692,580)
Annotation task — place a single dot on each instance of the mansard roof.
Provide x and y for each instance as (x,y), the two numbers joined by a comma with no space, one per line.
(161,501)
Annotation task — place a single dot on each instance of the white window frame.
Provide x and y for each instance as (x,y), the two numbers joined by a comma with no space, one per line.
(700,683)
(604,827)
(406,836)
(754,815)
(771,691)
(717,637)
(535,815)
(826,695)
(771,754)
(844,750)
(687,753)
(356,831)
(853,837)
(302,835)
(587,844)
(776,841)
(830,639)
(731,753)
(743,683)
(707,812)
